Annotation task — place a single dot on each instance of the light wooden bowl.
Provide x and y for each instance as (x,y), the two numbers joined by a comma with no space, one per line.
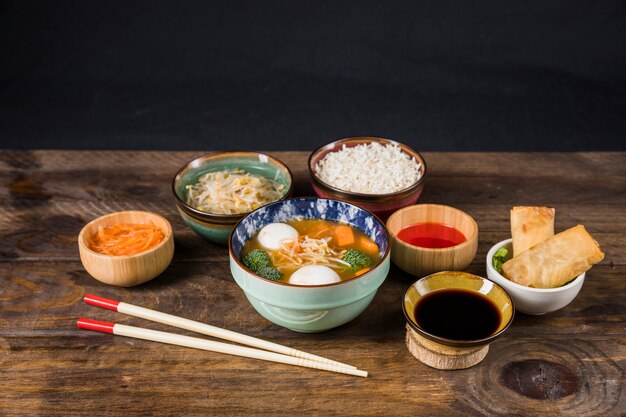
(420,261)
(127,271)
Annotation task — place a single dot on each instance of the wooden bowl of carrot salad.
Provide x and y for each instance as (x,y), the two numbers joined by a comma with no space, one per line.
(126,248)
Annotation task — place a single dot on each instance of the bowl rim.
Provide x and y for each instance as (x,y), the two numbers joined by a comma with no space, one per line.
(286,284)
(169,235)
(225,218)
(489,259)
(468,240)
(457,342)
(365,196)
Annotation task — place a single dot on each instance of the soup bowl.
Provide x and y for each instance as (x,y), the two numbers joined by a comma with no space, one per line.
(217,227)
(381,205)
(311,308)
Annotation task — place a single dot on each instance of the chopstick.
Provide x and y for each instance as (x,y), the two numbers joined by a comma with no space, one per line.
(210,345)
(195,326)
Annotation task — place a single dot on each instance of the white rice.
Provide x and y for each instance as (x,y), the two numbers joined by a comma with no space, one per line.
(369,169)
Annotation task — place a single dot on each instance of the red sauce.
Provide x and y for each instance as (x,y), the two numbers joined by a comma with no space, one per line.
(431,235)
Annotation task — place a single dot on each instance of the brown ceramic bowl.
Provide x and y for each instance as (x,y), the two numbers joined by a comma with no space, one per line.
(381,205)
(461,281)
(420,261)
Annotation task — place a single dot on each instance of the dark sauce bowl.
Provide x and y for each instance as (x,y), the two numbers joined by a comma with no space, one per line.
(464,281)
(382,205)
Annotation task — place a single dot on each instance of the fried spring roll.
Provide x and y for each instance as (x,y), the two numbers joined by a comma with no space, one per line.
(530,226)
(555,261)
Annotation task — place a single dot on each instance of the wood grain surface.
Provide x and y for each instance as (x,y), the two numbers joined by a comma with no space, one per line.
(571,362)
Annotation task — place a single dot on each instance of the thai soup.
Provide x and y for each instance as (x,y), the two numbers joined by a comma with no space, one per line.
(310,252)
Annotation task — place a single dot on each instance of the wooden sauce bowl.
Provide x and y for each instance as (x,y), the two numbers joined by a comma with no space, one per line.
(127,271)
(421,261)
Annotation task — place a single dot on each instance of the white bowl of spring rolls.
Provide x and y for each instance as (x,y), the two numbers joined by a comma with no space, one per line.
(530,300)
(542,271)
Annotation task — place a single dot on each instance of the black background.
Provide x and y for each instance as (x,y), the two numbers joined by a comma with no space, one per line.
(439,75)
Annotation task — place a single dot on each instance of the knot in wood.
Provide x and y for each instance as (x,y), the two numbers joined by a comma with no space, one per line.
(539,379)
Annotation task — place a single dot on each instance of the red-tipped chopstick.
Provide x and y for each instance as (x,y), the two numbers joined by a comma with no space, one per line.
(210,345)
(194,326)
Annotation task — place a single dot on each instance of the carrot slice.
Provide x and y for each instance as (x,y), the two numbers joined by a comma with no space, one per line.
(345,235)
(368,245)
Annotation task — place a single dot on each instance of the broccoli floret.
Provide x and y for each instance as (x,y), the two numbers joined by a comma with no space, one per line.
(357,259)
(270,273)
(257,260)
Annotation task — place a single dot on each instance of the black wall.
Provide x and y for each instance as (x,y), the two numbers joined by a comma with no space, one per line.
(439,75)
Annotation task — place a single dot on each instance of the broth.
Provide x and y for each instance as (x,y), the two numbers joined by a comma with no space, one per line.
(457,314)
(339,238)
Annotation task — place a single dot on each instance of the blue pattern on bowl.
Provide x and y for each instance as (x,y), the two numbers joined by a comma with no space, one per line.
(309,208)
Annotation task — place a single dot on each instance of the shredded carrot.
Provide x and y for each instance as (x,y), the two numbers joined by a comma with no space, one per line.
(345,235)
(125,239)
(368,245)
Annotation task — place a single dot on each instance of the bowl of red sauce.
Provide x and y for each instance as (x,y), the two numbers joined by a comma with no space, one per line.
(428,238)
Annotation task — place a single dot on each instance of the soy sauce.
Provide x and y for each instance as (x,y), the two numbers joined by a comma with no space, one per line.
(457,314)
(431,235)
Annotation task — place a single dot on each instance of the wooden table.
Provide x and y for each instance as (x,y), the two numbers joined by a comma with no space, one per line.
(570,362)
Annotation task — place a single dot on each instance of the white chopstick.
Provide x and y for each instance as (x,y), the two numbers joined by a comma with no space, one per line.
(195,326)
(210,345)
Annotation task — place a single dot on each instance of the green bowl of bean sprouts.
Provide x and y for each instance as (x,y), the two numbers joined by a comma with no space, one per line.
(214,191)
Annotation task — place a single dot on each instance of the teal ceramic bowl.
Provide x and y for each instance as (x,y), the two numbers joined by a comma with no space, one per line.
(318,307)
(217,227)
(214,232)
